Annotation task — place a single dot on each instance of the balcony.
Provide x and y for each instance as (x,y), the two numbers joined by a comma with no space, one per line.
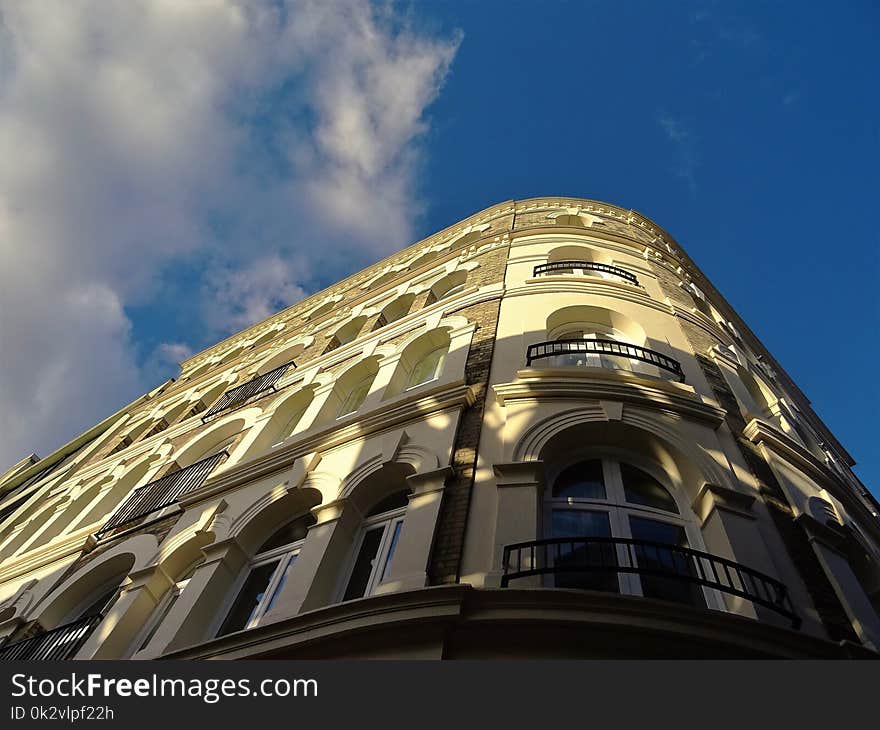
(161,493)
(600,350)
(248,392)
(55,645)
(669,572)
(564,267)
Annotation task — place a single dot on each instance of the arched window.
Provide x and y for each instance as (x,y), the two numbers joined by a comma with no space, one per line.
(355,397)
(269,570)
(378,541)
(172,595)
(448,286)
(597,498)
(397,309)
(345,334)
(428,368)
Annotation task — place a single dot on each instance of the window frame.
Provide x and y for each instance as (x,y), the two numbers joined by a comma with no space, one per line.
(389,521)
(619,510)
(285,555)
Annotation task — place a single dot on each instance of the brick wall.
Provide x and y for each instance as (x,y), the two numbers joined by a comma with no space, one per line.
(449,537)
(804,559)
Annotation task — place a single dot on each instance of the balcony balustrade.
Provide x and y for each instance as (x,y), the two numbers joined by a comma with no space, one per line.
(247,392)
(55,645)
(161,493)
(556,267)
(599,561)
(600,347)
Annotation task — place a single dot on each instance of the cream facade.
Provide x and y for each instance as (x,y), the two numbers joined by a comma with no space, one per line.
(540,432)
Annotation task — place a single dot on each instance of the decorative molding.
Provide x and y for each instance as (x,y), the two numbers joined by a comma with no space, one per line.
(607,384)
(713,497)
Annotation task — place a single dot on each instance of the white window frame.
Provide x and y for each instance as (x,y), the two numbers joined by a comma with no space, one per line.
(390,521)
(285,555)
(343,411)
(619,512)
(438,367)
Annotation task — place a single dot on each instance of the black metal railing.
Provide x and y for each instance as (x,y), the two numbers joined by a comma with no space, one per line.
(162,492)
(55,645)
(553,348)
(555,266)
(247,392)
(612,556)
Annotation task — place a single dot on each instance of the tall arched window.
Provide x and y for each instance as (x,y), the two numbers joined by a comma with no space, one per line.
(428,368)
(355,397)
(378,541)
(167,602)
(269,570)
(605,497)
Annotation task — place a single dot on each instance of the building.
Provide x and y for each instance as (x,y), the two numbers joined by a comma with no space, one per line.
(541,432)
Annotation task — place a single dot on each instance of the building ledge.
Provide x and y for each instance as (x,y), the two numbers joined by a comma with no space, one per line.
(459,621)
(608,384)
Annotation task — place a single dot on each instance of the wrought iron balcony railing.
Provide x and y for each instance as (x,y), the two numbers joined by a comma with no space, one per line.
(161,493)
(552,348)
(556,266)
(612,556)
(246,392)
(55,645)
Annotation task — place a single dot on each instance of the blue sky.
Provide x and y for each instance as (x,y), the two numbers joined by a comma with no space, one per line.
(177,173)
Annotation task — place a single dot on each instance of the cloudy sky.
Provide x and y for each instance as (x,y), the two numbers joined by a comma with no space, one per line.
(171,172)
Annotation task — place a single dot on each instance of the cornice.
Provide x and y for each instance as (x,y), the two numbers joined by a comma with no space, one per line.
(760,432)
(587,285)
(53,552)
(607,384)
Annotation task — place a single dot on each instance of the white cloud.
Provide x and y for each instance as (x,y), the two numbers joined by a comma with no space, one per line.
(683,140)
(249,141)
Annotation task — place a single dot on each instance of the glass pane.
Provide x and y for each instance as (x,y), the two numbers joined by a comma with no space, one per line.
(665,561)
(394,536)
(281,582)
(398,500)
(583,480)
(356,396)
(363,566)
(428,368)
(582,563)
(291,532)
(248,600)
(642,488)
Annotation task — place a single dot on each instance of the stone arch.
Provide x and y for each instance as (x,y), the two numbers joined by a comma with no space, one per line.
(426,345)
(578,252)
(127,478)
(224,434)
(693,465)
(447,284)
(599,318)
(346,333)
(268,512)
(118,562)
(288,353)
(287,412)
(361,374)
(396,309)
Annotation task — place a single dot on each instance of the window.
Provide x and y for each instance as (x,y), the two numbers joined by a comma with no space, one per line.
(378,542)
(394,311)
(269,571)
(428,368)
(448,286)
(355,397)
(166,604)
(601,498)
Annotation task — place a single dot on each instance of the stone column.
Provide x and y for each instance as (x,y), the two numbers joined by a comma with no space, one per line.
(314,579)
(828,543)
(520,492)
(196,614)
(409,567)
(114,636)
